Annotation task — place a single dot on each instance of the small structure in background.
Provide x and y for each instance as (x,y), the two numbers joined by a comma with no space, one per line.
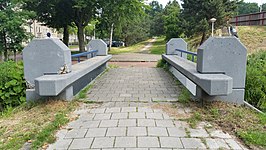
(212,21)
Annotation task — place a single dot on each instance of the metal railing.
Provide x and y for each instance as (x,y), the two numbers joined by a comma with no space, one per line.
(193,54)
(92,52)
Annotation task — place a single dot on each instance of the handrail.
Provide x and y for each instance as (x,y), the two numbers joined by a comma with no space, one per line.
(187,52)
(92,52)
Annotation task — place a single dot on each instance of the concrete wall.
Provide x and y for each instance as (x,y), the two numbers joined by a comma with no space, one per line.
(218,55)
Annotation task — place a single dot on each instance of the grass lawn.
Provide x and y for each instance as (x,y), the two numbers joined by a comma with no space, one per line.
(35,124)
(159,46)
(243,122)
(130,49)
(73,46)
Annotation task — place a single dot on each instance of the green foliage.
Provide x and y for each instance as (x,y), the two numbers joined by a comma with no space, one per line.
(246,7)
(194,119)
(12,85)
(156,17)
(83,93)
(184,96)
(255,92)
(253,137)
(162,64)
(12,32)
(172,22)
(196,17)
(264,7)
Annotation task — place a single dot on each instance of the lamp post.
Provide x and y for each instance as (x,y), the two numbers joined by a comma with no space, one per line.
(212,21)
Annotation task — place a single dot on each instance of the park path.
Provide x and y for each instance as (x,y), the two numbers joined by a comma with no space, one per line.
(141,56)
(137,111)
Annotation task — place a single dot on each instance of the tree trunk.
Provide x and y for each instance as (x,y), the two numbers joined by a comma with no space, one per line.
(1,57)
(66,35)
(203,38)
(111,37)
(5,48)
(15,55)
(81,38)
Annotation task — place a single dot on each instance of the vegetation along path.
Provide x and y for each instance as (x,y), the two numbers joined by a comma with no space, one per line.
(136,112)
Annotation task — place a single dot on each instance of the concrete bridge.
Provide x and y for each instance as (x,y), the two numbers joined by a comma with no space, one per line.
(127,118)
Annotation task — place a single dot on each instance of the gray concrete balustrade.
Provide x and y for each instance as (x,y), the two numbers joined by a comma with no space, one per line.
(219,73)
(50,73)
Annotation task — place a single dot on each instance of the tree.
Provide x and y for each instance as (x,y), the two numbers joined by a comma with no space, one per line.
(156,17)
(53,13)
(263,7)
(196,17)
(172,23)
(12,33)
(116,14)
(247,8)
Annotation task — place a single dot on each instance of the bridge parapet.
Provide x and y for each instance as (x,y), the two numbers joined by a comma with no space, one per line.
(219,73)
(49,71)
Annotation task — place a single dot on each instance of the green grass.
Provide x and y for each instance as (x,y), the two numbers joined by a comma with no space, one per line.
(248,125)
(131,49)
(73,46)
(159,46)
(36,123)
(83,93)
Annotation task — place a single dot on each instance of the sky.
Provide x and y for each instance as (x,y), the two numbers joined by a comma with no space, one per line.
(164,2)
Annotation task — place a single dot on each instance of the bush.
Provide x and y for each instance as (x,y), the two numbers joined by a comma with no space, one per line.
(255,92)
(12,85)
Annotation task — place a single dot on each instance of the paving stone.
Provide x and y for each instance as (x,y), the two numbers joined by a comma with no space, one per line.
(108,123)
(76,133)
(148,142)
(125,142)
(102,116)
(137,149)
(164,123)
(170,142)
(97,110)
(219,134)
(125,95)
(86,117)
(198,133)
(157,131)
(145,109)
(103,142)
(61,134)
(129,109)
(154,115)
(216,143)
(137,115)
(119,116)
(120,131)
(233,144)
(127,123)
(182,124)
(192,143)
(113,110)
(74,124)
(90,124)
(96,132)
(137,131)
(60,144)
(81,143)
(177,132)
(146,122)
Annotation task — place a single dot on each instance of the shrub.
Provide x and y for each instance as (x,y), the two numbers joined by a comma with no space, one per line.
(12,85)
(255,92)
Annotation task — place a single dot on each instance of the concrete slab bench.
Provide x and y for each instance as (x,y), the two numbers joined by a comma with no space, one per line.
(50,74)
(219,73)
(212,84)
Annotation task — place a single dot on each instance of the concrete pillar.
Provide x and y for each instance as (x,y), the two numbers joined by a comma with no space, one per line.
(226,55)
(176,43)
(99,45)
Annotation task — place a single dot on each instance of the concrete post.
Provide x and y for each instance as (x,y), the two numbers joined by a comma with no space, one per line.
(176,43)
(226,55)
(99,45)
(42,57)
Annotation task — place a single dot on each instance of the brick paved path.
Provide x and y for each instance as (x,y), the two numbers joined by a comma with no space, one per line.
(135,84)
(127,121)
